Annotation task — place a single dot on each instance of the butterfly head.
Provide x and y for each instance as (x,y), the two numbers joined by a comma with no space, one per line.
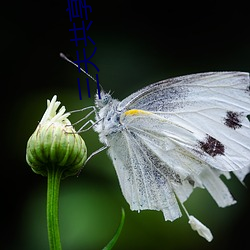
(103,101)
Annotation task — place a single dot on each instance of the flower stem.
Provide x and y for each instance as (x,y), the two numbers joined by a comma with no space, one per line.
(54,177)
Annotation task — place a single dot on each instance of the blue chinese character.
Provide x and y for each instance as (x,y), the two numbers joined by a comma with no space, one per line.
(79,89)
(87,80)
(85,61)
(76,39)
(75,8)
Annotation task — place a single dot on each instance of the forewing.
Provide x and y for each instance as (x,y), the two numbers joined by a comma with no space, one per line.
(176,93)
(213,107)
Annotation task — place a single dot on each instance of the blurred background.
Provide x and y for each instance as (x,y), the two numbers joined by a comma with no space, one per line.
(137,44)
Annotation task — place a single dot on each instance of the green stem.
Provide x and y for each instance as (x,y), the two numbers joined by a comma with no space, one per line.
(54,177)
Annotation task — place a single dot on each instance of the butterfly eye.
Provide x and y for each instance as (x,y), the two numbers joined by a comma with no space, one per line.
(106,99)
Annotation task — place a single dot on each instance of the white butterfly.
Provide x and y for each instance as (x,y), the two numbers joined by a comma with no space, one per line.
(175,135)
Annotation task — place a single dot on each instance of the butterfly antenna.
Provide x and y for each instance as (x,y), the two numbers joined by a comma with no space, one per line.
(68,60)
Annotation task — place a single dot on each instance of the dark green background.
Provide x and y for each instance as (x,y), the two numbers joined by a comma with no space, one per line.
(137,44)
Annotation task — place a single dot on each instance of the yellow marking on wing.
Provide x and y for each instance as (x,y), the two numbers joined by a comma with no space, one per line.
(137,112)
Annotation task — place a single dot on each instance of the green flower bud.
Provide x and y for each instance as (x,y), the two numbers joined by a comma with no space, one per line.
(55,144)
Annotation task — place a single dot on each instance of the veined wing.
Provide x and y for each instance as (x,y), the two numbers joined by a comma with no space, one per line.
(152,167)
(211,106)
(171,150)
(177,93)
(140,182)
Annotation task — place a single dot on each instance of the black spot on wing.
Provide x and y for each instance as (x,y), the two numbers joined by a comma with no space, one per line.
(233,119)
(212,146)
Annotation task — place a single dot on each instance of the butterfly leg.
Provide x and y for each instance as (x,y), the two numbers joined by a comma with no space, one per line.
(86,116)
(82,128)
(94,153)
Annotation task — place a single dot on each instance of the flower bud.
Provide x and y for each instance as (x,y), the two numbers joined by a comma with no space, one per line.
(55,144)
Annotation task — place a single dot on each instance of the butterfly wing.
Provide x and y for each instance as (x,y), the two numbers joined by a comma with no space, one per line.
(173,93)
(179,134)
(213,106)
(152,169)
(141,185)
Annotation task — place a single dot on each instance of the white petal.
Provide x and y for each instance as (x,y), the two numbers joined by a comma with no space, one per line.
(48,113)
(51,114)
(200,228)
